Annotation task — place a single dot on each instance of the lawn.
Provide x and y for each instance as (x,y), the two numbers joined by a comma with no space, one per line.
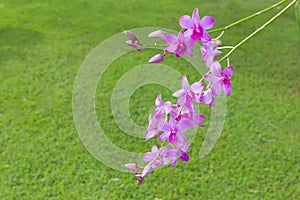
(42,46)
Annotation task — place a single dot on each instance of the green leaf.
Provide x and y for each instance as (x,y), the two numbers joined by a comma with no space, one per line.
(297,13)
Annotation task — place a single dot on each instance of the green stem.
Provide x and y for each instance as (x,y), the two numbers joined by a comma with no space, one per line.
(249,17)
(259,29)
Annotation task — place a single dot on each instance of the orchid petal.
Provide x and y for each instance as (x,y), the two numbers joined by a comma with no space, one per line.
(227,88)
(197,87)
(171,48)
(207,22)
(171,39)
(228,71)
(216,69)
(148,157)
(216,89)
(211,78)
(178,93)
(195,17)
(185,83)
(186,22)
(158,100)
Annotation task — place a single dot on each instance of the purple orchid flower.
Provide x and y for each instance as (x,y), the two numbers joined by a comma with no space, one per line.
(162,108)
(152,130)
(219,79)
(188,94)
(209,53)
(179,151)
(171,131)
(196,27)
(180,44)
(134,42)
(155,158)
(189,119)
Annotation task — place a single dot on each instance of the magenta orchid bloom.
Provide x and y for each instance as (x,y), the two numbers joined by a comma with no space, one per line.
(188,94)
(179,151)
(134,42)
(179,45)
(219,79)
(171,131)
(196,27)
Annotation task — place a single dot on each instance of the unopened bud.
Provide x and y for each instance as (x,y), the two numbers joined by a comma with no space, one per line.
(157,58)
(158,34)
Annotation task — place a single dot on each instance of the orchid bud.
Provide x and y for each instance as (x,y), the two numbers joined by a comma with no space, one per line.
(134,42)
(158,34)
(157,58)
(132,167)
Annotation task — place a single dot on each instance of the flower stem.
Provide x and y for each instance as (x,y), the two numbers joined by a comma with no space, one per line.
(259,29)
(249,17)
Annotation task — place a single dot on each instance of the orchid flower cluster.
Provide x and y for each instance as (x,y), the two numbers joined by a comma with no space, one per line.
(170,121)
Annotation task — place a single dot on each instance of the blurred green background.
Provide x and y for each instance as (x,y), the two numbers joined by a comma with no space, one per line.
(42,45)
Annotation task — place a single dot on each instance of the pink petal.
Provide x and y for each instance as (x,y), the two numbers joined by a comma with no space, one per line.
(189,43)
(207,22)
(185,84)
(206,37)
(178,93)
(171,48)
(184,125)
(172,153)
(151,134)
(174,163)
(189,53)
(211,78)
(216,89)
(168,107)
(185,22)
(154,149)
(181,35)
(208,97)
(148,157)
(132,167)
(216,69)
(164,136)
(227,88)
(197,87)
(185,157)
(147,170)
(171,39)
(158,101)
(195,17)
(228,71)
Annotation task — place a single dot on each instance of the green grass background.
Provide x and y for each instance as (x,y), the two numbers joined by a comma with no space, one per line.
(42,45)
